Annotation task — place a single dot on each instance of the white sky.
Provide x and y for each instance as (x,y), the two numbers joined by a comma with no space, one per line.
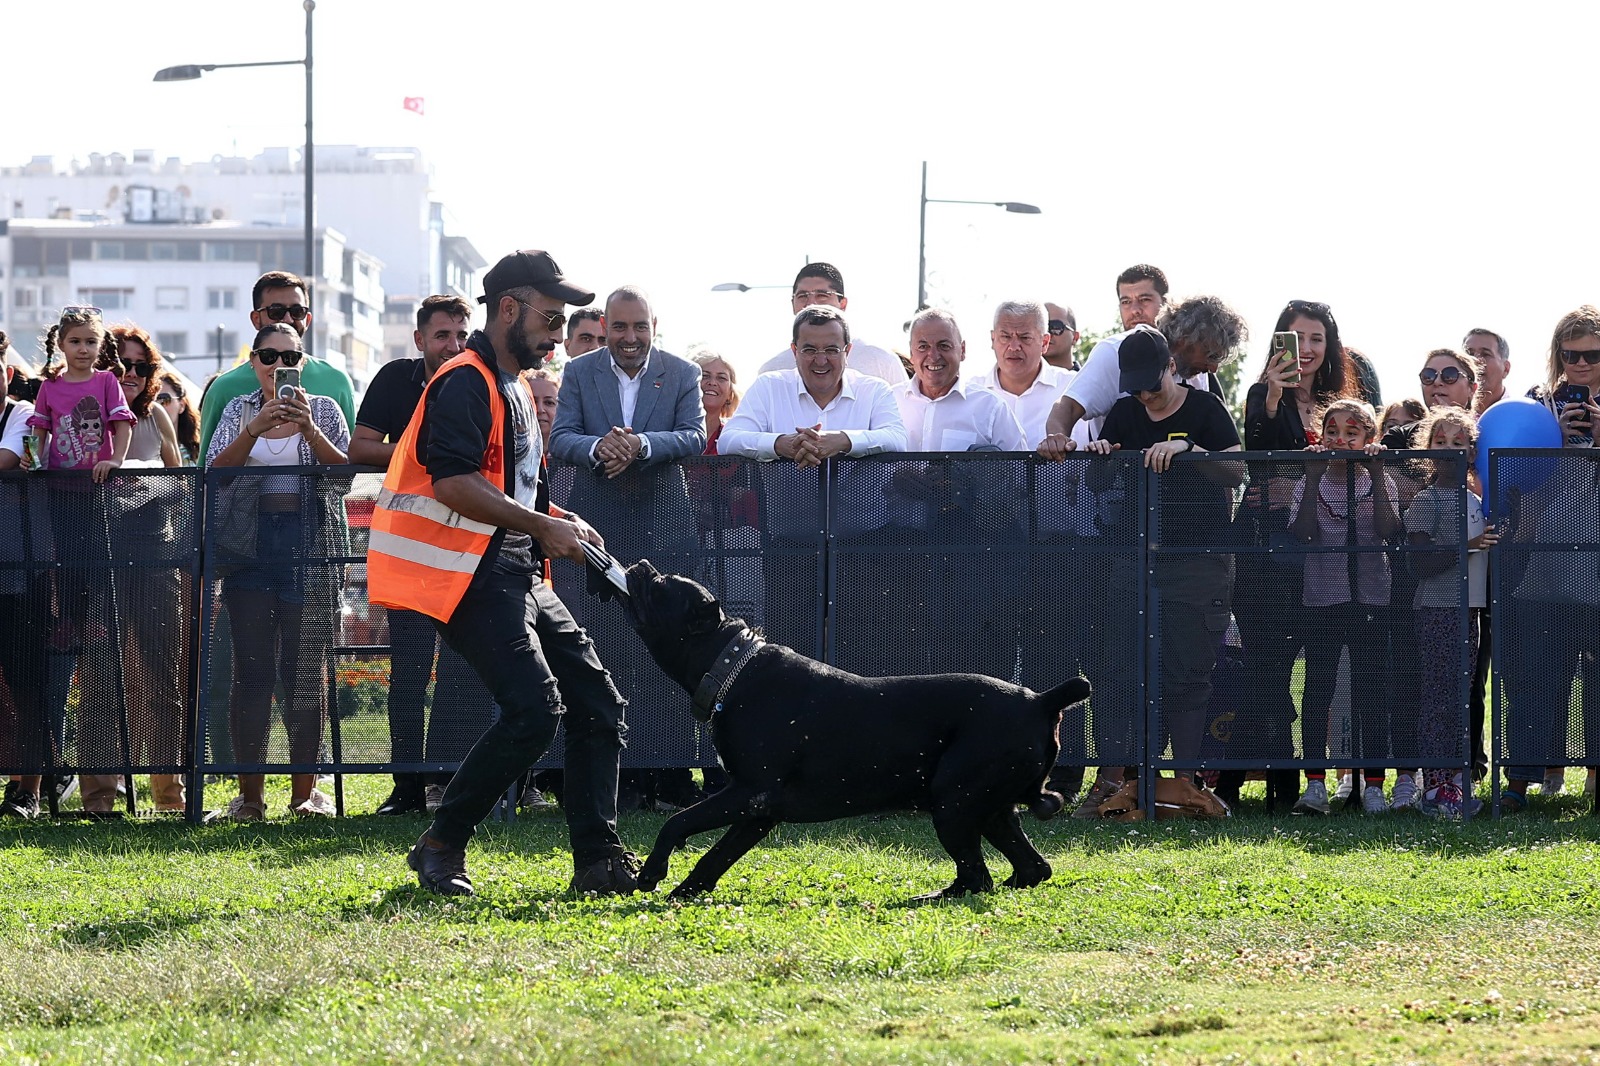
(1421,166)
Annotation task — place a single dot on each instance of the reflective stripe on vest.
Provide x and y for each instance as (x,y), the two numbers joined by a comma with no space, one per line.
(421,555)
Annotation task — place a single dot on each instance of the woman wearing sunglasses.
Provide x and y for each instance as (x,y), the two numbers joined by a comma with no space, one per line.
(1449,379)
(185,416)
(274,596)
(1550,616)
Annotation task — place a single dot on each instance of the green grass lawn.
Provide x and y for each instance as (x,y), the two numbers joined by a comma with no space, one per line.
(1349,939)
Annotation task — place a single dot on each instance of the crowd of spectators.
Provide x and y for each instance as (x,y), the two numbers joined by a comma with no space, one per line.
(1351,654)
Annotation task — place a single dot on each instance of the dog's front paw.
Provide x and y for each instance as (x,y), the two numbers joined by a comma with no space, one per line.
(650,874)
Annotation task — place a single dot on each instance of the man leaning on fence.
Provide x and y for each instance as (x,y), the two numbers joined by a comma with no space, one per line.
(459,533)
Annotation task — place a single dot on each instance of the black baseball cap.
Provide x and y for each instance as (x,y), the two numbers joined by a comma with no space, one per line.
(1142,356)
(531,267)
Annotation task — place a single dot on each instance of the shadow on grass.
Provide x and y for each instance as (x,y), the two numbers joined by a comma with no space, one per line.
(288,843)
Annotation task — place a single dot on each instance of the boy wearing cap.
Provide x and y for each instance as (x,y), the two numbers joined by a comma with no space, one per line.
(1164,419)
(460,533)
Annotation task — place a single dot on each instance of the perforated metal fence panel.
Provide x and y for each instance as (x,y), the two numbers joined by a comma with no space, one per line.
(98,624)
(1546,610)
(1346,581)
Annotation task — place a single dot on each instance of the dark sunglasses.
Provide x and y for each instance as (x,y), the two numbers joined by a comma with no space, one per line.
(165,397)
(554,320)
(1572,358)
(1449,375)
(81,309)
(1309,306)
(1057,327)
(142,368)
(270,356)
(298,312)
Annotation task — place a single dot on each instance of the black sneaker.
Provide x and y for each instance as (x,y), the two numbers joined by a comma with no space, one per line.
(401,801)
(18,802)
(439,868)
(615,875)
(65,787)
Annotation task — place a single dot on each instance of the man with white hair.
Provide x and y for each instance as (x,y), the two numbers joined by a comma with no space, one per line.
(1021,378)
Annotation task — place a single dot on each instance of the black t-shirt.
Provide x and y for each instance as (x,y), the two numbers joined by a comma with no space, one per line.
(1195,510)
(455,435)
(392,397)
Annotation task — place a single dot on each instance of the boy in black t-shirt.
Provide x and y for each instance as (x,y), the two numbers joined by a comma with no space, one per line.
(1164,420)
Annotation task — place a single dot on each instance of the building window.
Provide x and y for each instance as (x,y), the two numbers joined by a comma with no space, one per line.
(219,251)
(26,297)
(108,249)
(172,298)
(163,250)
(173,343)
(221,299)
(189,252)
(107,299)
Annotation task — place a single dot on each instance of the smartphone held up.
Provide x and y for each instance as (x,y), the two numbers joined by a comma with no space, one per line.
(285,380)
(1286,349)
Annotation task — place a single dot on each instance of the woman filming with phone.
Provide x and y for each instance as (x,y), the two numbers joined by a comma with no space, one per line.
(1306,369)
(273,595)
(1552,608)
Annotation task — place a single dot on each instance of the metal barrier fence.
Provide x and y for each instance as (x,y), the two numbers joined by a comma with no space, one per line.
(1546,577)
(1215,636)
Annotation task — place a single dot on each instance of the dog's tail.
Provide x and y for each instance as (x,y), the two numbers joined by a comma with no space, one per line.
(1074,690)
(1071,691)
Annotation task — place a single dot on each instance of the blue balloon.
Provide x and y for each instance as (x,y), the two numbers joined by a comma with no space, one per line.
(1516,423)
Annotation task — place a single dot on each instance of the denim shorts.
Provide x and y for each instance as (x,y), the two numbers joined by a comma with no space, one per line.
(280,545)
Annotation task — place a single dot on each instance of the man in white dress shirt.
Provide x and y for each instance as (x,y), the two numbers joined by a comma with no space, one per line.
(821,283)
(819,407)
(1021,378)
(944,412)
(815,410)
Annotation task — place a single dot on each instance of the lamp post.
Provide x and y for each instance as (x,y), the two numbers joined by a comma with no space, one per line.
(922,230)
(191,71)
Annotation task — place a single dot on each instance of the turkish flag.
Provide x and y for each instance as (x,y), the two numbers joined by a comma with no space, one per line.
(414,103)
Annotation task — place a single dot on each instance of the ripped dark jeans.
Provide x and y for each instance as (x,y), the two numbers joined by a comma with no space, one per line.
(541,669)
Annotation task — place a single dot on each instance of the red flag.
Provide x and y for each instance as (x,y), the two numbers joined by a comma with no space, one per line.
(414,103)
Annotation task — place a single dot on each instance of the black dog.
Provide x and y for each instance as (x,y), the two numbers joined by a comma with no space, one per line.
(803,742)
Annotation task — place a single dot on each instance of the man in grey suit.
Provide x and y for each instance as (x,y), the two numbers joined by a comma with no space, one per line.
(626,415)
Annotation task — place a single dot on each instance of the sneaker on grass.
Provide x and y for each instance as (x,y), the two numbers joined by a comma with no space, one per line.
(1314,800)
(1555,779)
(1373,801)
(18,802)
(1405,793)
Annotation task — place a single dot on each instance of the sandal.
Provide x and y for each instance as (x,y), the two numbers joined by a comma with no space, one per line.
(317,805)
(239,810)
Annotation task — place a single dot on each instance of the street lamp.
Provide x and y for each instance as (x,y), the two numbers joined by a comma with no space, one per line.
(739,286)
(191,71)
(922,230)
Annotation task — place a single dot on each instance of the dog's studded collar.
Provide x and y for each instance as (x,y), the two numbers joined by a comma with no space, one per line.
(713,688)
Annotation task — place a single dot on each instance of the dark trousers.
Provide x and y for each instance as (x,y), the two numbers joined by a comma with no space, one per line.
(1361,628)
(24,729)
(542,670)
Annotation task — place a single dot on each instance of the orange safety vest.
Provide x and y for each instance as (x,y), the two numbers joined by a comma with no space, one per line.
(421,555)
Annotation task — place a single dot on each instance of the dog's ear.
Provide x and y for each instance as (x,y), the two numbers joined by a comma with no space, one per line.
(704,617)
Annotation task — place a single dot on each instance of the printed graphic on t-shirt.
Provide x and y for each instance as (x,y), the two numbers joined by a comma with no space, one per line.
(79,434)
(525,448)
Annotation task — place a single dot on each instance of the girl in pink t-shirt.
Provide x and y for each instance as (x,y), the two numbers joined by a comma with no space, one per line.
(84,418)
(1344,503)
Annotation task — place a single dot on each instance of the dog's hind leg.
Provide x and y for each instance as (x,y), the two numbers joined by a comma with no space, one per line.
(1028,867)
(958,832)
(713,812)
(724,853)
